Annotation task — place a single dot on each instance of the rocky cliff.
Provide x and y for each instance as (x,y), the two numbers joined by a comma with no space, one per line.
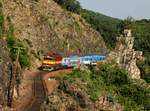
(5,62)
(40,26)
(46,26)
(125,55)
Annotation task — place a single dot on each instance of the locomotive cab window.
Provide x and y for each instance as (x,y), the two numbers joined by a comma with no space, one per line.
(45,58)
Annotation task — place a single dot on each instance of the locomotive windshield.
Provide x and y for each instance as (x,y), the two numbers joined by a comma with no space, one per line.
(48,58)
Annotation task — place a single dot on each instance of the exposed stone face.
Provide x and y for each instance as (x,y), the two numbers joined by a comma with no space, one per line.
(104,104)
(125,55)
(4,71)
(48,27)
(72,98)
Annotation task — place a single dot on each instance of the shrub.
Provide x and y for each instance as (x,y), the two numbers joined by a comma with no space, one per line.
(136,94)
(24,59)
(70,5)
(94,89)
(1,21)
(145,68)
(15,45)
(112,82)
(1,24)
(113,76)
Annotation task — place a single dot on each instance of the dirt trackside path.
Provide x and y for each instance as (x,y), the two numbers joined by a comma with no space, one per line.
(27,90)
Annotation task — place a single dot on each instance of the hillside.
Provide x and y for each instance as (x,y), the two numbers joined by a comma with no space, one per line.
(110,28)
(46,26)
(30,28)
(107,26)
(107,88)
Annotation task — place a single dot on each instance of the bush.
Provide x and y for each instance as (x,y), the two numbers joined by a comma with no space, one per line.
(15,45)
(24,59)
(113,76)
(70,5)
(1,21)
(145,68)
(137,95)
(1,24)
(94,88)
(112,82)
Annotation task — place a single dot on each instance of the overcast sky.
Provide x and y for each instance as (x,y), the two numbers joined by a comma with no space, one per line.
(138,9)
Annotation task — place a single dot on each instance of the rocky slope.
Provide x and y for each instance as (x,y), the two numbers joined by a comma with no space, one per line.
(70,97)
(46,26)
(5,62)
(40,26)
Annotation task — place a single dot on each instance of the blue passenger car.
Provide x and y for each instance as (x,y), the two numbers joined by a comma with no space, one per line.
(73,61)
(87,59)
(92,59)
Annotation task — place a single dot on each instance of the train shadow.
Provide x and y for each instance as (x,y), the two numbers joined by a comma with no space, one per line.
(47,70)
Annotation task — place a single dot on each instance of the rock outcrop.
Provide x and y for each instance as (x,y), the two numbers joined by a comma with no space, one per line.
(46,26)
(125,55)
(68,97)
(4,71)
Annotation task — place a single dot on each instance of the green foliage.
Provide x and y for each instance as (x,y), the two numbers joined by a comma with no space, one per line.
(24,59)
(70,5)
(1,25)
(110,27)
(1,21)
(77,74)
(141,31)
(142,43)
(116,76)
(14,45)
(136,94)
(128,23)
(145,68)
(107,26)
(142,36)
(112,82)
(94,88)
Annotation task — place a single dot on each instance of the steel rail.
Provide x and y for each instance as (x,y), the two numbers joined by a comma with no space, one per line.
(39,94)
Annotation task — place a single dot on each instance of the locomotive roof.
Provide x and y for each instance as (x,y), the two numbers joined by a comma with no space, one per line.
(91,54)
(73,54)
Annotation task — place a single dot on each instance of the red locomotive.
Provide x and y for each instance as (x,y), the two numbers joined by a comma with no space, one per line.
(51,61)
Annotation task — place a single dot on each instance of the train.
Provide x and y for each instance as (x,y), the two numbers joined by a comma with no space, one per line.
(55,61)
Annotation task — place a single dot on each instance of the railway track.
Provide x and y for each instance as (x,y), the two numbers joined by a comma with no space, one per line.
(39,89)
(39,94)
